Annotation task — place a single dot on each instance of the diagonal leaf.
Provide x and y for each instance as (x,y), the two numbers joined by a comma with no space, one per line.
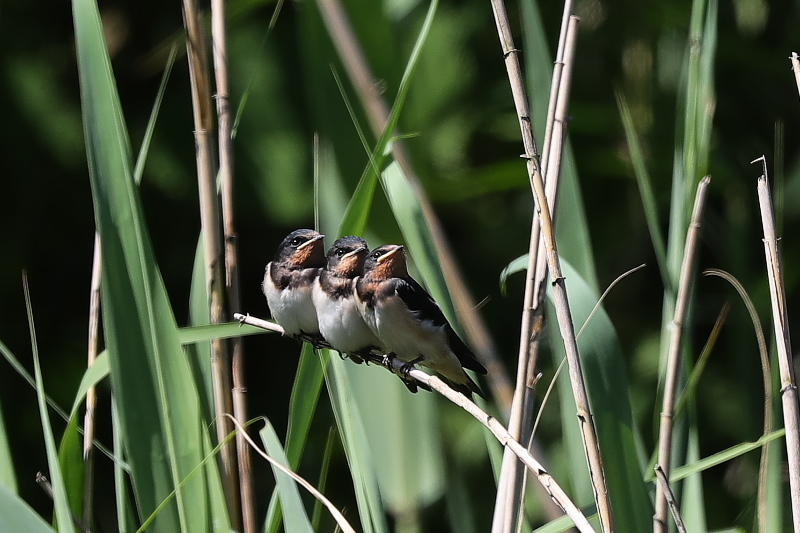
(7,478)
(150,375)
(17,517)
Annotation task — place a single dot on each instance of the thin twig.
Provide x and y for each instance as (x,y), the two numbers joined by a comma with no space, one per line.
(355,63)
(210,227)
(91,394)
(780,319)
(766,374)
(673,504)
(796,69)
(341,521)
(501,433)
(510,485)
(225,138)
(673,357)
(564,315)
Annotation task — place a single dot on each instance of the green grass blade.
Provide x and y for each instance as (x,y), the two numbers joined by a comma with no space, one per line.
(151,124)
(7,477)
(93,375)
(645,188)
(150,375)
(323,476)
(17,517)
(61,504)
(295,516)
(126,520)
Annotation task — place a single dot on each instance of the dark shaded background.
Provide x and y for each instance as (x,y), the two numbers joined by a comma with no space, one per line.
(460,103)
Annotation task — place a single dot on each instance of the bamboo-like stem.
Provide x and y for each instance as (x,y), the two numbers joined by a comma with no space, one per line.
(564,315)
(796,69)
(210,224)
(674,354)
(231,249)
(780,319)
(670,496)
(91,394)
(355,63)
(47,487)
(521,419)
(498,430)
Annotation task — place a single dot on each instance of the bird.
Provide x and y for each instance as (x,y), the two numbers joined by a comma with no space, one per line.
(340,323)
(409,323)
(288,283)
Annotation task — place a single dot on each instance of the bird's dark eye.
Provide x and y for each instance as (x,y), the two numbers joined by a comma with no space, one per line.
(339,252)
(296,241)
(376,255)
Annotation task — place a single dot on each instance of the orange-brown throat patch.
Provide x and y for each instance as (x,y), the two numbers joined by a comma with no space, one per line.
(350,267)
(310,255)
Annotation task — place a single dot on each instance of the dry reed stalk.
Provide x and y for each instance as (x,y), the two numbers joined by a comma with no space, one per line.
(796,69)
(355,63)
(674,354)
(564,315)
(780,319)
(91,394)
(210,223)
(511,482)
(501,433)
(225,139)
(670,496)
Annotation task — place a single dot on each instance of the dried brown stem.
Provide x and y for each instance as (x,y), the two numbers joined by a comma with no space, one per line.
(780,319)
(673,357)
(209,220)
(501,433)
(663,483)
(91,394)
(796,69)
(363,81)
(225,137)
(521,419)
(564,315)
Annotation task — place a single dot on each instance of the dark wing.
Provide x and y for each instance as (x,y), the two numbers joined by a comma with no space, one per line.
(419,302)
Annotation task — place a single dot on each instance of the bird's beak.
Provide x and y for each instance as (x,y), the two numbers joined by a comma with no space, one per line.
(309,241)
(389,254)
(354,252)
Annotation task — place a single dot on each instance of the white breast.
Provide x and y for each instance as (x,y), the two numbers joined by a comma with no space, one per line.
(292,309)
(341,324)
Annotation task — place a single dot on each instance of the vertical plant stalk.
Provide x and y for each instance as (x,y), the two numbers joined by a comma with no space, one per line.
(363,81)
(671,501)
(780,318)
(511,484)
(225,138)
(91,394)
(674,354)
(796,69)
(564,315)
(210,224)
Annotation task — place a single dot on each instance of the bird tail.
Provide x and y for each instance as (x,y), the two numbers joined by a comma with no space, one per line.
(466,386)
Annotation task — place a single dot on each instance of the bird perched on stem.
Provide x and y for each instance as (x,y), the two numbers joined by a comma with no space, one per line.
(409,323)
(288,283)
(340,323)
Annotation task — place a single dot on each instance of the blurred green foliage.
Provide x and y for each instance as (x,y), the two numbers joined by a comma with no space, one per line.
(465,150)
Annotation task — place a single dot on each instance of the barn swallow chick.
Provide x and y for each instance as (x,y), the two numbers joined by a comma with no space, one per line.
(340,323)
(289,281)
(409,323)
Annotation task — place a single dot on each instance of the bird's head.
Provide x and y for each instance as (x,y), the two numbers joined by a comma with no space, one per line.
(347,255)
(302,248)
(388,261)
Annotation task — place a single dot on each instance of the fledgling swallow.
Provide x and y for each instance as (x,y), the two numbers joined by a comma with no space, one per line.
(408,321)
(340,323)
(289,281)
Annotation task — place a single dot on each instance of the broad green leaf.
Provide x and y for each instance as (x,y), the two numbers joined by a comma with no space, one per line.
(7,477)
(294,513)
(93,375)
(150,374)
(70,457)
(607,384)
(17,517)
